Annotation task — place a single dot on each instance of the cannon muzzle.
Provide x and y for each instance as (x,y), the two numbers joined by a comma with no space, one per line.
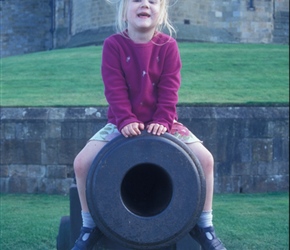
(145,192)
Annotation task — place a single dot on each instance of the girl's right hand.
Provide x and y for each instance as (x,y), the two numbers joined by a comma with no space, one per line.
(132,129)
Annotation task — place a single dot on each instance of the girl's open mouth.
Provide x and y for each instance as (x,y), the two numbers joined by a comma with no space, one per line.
(143,15)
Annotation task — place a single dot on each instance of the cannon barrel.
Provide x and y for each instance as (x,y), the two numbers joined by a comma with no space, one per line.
(145,192)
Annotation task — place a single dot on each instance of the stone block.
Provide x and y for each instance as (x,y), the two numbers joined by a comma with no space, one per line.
(241,169)
(7,130)
(17,170)
(32,185)
(282,168)
(35,114)
(258,128)
(74,113)
(17,184)
(56,114)
(262,150)
(4,171)
(243,151)
(221,151)
(245,184)
(31,152)
(55,186)
(56,172)
(12,152)
(223,169)
(240,128)
(31,129)
(280,149)
(254,168)
(279,128)
(225,128)
(260,184)
(282,183)
(273,182)
(53,129)
(50,151)
(36,171)
(2,129)
(4,185)
(227,184)
(69,129)
(265,169)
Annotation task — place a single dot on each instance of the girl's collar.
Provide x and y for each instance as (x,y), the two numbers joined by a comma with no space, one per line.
(158,39)
(153,39)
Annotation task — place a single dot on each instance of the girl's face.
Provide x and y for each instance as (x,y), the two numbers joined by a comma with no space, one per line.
(143,15)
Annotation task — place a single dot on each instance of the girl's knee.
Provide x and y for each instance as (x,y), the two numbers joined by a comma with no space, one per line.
(79,165)
(84,159)
(208,162)
(204,156)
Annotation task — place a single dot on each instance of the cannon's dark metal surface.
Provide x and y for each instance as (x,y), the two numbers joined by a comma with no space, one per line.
(145,192)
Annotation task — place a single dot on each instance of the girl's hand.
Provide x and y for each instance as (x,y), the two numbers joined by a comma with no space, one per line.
(132,129)
(156,129)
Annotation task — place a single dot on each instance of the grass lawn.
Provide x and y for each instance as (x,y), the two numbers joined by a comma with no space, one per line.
(30,222)
(211,74)
(242,221)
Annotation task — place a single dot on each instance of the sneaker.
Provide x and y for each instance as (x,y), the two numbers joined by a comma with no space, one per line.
(206,237)
(87,239)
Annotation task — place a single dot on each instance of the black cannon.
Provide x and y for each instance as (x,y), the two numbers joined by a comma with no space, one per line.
(144,192)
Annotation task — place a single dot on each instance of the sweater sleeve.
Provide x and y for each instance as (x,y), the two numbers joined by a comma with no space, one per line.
(168,87)
(116,89)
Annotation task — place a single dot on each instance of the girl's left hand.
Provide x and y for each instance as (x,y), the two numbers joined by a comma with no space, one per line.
(156,129)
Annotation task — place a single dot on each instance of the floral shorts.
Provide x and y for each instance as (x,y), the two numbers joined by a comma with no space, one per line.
(178,130)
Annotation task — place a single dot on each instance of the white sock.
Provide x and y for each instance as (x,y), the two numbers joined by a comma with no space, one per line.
(205,219)
(88,220)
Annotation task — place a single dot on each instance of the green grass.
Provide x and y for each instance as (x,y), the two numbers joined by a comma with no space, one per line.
(257,221)
(242,221)
(211,74)
(234,73)
(30,222)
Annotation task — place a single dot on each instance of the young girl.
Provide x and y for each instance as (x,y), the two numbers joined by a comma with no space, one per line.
(141,74)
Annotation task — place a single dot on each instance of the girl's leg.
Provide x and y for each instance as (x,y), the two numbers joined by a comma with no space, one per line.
(204,232)
(207,162)
(82,165)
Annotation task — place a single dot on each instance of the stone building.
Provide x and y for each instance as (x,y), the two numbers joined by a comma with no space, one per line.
(30,26)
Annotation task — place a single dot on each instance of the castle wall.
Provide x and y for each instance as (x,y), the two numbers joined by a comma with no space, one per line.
(90,15)
(30,26)
(25,26)
(281,22)
(231,20)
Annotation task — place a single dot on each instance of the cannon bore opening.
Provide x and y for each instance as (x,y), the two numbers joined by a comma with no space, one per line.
(146,190)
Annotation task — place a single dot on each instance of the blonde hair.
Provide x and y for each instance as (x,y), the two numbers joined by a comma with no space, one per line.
(164,21)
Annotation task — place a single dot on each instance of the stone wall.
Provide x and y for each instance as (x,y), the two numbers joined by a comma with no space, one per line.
(25,26)
(225,21)
(30,25)
(250,146)
(281,22)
